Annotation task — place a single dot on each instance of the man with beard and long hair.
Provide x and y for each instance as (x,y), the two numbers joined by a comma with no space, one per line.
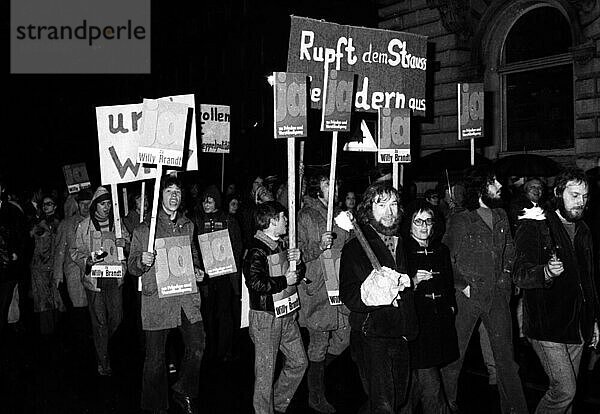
(481,251)
(554,266)
(382,319)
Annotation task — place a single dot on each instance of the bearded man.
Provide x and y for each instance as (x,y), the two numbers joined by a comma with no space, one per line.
(481,251)
(380,330)
(554,266)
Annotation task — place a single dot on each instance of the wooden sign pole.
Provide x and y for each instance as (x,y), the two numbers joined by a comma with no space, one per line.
(330,200)
(125,202)
(154,209)
(301,175)
(472,151)
(291,155)
(395,175)
(142,199)
(117,219)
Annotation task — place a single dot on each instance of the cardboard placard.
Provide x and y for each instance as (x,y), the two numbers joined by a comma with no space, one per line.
(286,301)
(110,265)
(215,128)
(390,65)
(470,110)
(162,133)
(76,177)
(217,253)
(339,99)
(119,138)
(330,263)
(174,267)
(290,103)
(394,136)
(365,141)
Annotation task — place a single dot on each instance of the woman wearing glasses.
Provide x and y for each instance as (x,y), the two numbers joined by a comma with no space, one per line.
(428,265)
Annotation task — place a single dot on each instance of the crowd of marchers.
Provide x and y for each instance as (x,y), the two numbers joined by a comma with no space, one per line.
(417,276)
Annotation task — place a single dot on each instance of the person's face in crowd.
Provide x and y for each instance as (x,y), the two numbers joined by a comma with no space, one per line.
(434,200)
(194,191)
(571,203)
(421,226)
(138,203)
(234,204)
(492,196)
(48,206)
(230,189)
(280,224)
(103,208)
(324,187)
(385,211)
(350,200)
(84,207)
(534,190)
(209,205)
(171,198)
(258,182)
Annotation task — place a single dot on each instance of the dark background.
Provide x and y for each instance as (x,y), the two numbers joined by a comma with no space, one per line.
(220,51)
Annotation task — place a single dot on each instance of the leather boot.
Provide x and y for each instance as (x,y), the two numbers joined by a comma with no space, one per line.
(316,388)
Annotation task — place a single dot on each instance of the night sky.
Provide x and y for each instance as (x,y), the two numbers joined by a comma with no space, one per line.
(220,51)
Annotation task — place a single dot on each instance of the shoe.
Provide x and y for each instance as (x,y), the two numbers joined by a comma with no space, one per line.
(316,388)
(184,403)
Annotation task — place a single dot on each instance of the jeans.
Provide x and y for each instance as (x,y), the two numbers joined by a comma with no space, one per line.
(561,363)
(269,335)
(383,365)
(497,322)
(6,294)
(106,312)
(155,393)
(327,342)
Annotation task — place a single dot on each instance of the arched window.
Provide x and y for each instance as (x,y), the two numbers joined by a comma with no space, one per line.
(537,83)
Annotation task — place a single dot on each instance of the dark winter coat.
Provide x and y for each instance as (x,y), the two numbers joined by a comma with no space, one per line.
(375,321)
(163,313)
(436,343)
(555,311)
(481,257)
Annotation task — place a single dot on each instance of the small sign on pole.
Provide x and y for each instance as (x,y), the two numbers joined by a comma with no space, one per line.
(470,113)
(394,136)
(290,102)
(215,121)
(76,177)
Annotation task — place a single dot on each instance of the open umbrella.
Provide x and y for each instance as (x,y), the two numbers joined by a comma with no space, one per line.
(526,165)
(455,160)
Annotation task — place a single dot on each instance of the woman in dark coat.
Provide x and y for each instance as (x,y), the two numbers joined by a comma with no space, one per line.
(428,265)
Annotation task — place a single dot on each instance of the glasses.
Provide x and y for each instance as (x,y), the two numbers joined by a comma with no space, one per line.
(420,222)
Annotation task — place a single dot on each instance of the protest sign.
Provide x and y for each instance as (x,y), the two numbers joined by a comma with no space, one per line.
(217,253)
(330,263)
(363,141)
(338,92)
(215,128)
(286,301)
(174,267)
(390,65)
(470,110)
(119,138)
(394,136)
(162,132)
(76,177)
(290,103)
(110,266)
(245,317)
